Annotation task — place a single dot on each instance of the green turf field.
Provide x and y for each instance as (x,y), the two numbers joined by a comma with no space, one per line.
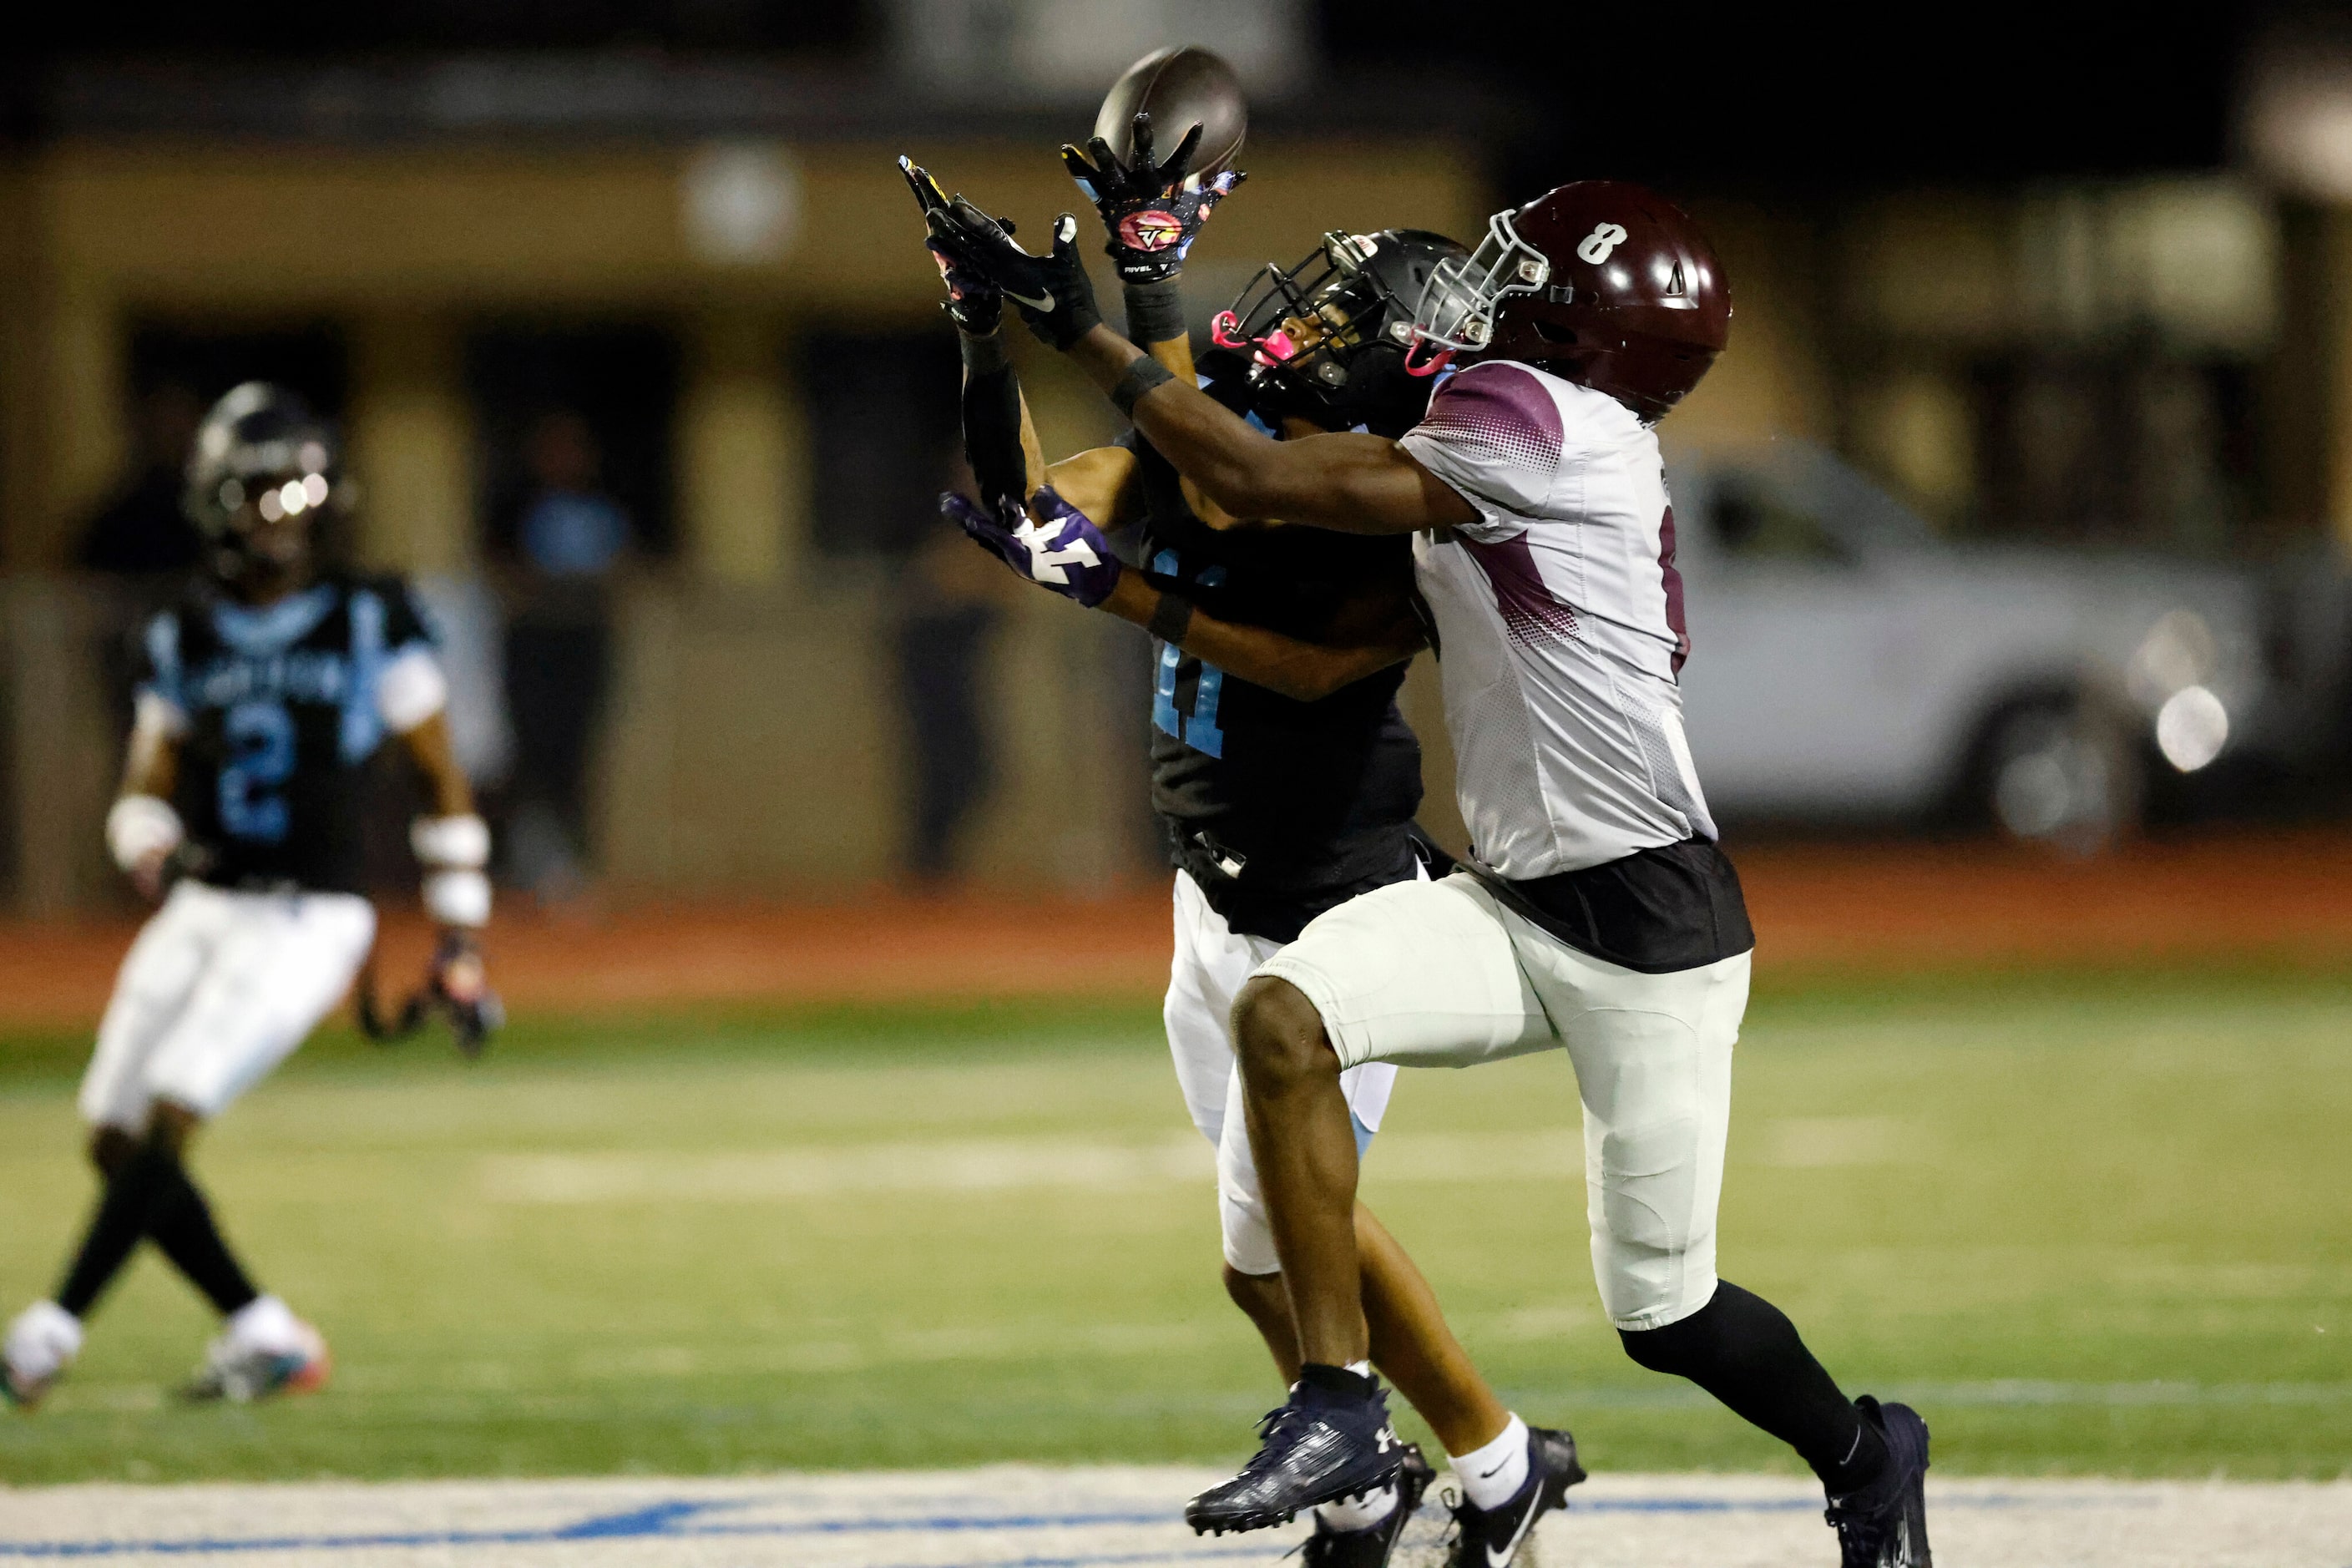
(2093,1225)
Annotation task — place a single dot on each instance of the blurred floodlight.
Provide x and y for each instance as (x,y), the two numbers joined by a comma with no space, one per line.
(1057,51)
(2192,727)
(2297,120)
(2179,651)
(741,203)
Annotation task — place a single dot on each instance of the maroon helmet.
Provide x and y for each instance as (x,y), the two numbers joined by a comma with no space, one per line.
(1599,282)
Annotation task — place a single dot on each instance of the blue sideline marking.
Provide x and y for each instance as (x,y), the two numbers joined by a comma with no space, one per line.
(682,1520)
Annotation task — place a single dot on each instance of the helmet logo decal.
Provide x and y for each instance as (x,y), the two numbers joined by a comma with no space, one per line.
(1151,230)
(1595,246)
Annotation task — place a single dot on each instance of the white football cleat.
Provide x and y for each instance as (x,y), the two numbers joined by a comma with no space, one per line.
(41,1344)
(265,1351)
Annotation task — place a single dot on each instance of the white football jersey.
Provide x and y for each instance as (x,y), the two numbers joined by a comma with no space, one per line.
(1560,618)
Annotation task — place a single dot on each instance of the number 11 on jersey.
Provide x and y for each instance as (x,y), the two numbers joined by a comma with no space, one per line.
(1198,729)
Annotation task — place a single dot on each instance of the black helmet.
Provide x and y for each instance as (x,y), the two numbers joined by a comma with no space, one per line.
(260,443)
(1360,291)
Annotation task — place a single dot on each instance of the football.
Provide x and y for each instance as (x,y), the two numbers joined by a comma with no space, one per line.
(1180,88)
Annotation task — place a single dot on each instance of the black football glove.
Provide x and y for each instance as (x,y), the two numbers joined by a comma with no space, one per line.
(1150,210)
(972,302)
(455,986)
(460,988)
(1052,293)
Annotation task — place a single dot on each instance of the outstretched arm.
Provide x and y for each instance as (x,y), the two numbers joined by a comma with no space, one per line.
(1350,483)
(1368,635)
(1354,484)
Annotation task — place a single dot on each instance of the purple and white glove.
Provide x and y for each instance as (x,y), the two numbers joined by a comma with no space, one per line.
(1054,545)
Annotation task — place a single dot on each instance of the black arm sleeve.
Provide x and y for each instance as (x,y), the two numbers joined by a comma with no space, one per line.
(992,422)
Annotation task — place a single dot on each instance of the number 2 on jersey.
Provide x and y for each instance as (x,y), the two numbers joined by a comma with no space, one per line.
(260,759)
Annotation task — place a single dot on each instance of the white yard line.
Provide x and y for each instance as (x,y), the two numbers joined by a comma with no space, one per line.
(1020,1517)
(1017,1164)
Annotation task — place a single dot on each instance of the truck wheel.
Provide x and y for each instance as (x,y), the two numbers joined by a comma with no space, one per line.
(2062,769)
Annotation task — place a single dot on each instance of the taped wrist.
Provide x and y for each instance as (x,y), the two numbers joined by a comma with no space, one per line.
(992,421)
(138,826)
(457,899)
(1171,617)
(450,843)
(1141,376)
(453,851)
(1155,311)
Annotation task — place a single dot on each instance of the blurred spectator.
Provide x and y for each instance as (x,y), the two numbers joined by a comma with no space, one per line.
(141,531)
(569,538)
(950,613)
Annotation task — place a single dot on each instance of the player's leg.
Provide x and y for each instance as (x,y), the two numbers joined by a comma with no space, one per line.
(281,966)
(1410,1342)
(1652,1056)
(151,989)
(1211,963)
(1415,972)
(1406,1331)
(1415,1348)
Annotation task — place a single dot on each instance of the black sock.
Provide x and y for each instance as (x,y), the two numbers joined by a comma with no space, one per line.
(125,1212)
(1744,1351)
(1338,1380)
(183,1227)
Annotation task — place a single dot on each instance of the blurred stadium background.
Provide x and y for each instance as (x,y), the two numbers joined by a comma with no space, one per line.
(833,1128)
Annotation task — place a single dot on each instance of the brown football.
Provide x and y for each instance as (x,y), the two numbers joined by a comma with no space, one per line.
(1180,88)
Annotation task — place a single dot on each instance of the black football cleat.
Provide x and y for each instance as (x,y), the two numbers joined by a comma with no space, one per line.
(1371,1546)
(1491,1537)
(1319,1447)
(1885,1524)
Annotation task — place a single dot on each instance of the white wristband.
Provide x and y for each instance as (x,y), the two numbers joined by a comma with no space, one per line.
(139,826)
(450,843)
(457,897)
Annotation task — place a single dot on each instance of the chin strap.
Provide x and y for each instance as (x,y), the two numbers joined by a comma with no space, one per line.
(1430,366)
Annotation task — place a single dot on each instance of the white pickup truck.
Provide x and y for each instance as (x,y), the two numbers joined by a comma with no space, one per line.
(1848,664)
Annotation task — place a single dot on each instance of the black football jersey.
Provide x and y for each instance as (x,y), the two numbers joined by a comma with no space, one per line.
(1279,809)
(280,705)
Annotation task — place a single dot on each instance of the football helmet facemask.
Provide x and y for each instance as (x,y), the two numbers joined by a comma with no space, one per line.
(1326,340)
(1601,282)
(261,461)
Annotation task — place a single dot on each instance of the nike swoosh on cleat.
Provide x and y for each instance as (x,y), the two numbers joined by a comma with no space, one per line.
(1044,304)
(1502,1559)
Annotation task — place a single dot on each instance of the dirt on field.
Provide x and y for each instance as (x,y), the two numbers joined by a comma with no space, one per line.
(1888,908)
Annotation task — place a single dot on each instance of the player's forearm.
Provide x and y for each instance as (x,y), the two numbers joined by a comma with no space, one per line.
(1290,666)
(997,433)
(1351,484)
(151,765)
(436,756)
(1155,319)
(1224,458)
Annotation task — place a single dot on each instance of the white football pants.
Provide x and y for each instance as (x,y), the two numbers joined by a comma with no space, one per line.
(218,988)
(1440,975)
(1211,965)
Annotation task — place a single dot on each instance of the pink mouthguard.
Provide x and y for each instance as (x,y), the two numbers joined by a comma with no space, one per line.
(1224,330)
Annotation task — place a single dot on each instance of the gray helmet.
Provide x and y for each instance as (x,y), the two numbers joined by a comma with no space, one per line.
(261,444)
